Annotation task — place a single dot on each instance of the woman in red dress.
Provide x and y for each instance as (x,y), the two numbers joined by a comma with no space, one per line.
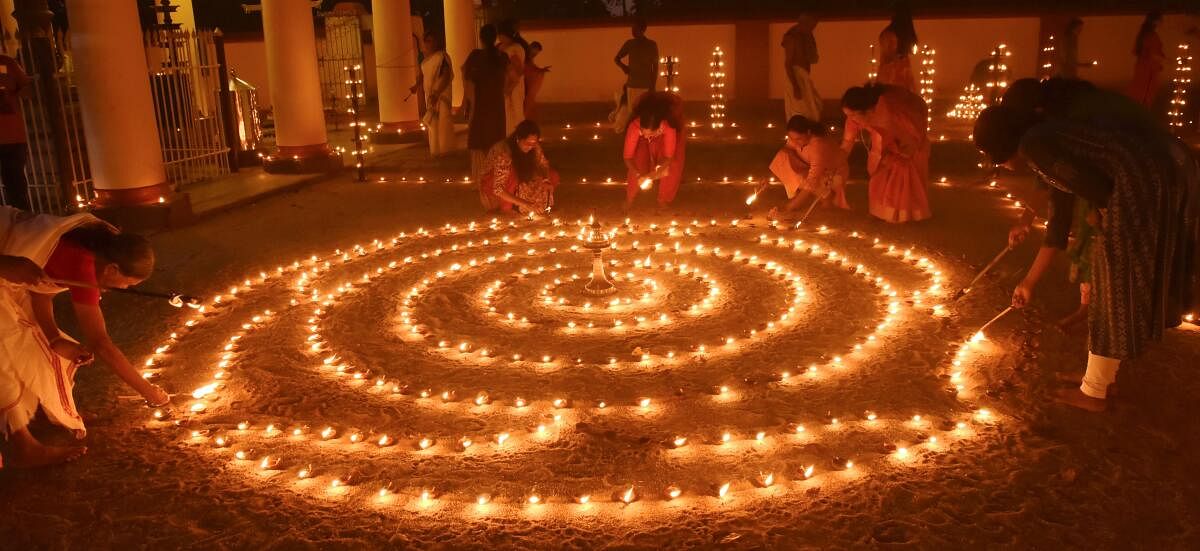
(899,158)
(1148,72)
(81,255)
(654,147)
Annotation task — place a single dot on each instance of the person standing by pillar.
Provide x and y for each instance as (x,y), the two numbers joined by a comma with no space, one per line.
(437,80)
(13,146)
(514,78)
(641,71)
(484,74)
(799,53)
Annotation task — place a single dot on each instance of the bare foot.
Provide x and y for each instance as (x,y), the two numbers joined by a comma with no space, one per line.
(1076,398)
(31,456)
(1076,378)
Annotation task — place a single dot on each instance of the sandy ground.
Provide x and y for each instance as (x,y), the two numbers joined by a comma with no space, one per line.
(1031,475)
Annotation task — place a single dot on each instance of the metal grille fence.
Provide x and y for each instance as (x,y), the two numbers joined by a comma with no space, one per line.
(340,47)
(186,88)
(48,192)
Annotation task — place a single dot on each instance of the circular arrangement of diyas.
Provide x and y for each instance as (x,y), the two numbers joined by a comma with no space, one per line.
(469,359)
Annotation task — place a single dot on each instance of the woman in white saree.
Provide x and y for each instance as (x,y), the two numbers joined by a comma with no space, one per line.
(37,359)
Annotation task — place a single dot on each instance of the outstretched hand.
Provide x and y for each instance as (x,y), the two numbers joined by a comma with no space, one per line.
(1021,295)
(1017,235)
(156,397)
(71,350)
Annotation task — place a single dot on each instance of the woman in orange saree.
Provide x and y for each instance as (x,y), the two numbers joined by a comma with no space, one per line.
(898,162)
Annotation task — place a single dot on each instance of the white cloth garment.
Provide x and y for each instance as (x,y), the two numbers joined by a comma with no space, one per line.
(809,103)
(32,375)
(624,111)
(439,120)
(1101,372)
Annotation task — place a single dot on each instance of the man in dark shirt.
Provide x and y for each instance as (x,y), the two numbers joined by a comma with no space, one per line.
(641,71)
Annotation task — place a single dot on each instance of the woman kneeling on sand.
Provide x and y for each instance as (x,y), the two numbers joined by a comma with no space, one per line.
(38,360)
(810,165)
(516,172)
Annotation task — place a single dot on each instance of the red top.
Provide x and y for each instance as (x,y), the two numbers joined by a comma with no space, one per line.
(669,137)
(71,262)
(12,82)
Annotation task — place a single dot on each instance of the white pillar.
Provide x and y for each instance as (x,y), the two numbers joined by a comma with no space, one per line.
(460,38)
(118,110)
(300,139)
(395,66)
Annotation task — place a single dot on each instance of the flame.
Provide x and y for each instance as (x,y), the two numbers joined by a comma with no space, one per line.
(646,184)
(750,200)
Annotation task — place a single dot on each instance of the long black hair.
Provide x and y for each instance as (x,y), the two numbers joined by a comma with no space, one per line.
(862,98)
(524,163)
(1148,24)
(655,108)
(804,125)
(131,253)
(902,26)
(999,129)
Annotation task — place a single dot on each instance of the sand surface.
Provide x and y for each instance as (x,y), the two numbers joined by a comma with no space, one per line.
(403,315)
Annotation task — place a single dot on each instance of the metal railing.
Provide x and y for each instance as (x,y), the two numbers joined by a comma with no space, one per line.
(185,85)
(339,47)
(186,89)
(48,191)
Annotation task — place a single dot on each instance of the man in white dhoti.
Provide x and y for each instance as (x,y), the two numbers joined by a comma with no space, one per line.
(37,359)
(437,80)
(799,54)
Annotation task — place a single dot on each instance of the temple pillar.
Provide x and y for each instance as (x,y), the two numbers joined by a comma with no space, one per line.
(460,39)
(395,73)
(117,107)
(301,145)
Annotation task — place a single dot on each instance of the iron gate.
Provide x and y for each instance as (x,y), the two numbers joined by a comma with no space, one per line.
(339,47)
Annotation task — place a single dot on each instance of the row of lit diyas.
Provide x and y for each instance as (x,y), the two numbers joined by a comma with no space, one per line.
(485,352)
(723,393)
(893,307)
(716,89)
(926,81)
(549,299)
(206,392)
(729,344)
(1181,83)
(767,483)
(975,99)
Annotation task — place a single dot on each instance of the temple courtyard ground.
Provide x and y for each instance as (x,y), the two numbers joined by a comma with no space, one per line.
(997,464)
